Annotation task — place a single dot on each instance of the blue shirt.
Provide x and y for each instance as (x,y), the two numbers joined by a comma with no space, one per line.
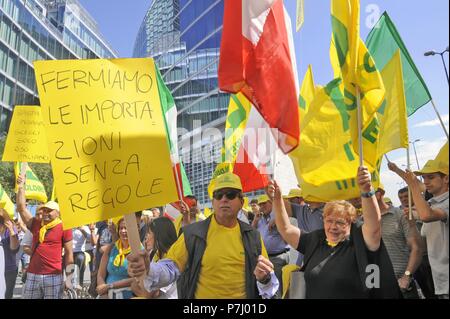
(117,273)
(272,239)
(10,255)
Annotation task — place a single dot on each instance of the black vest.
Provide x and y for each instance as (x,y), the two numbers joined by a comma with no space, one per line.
(195,239)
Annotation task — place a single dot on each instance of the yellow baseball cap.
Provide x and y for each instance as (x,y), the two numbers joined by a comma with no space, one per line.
(381,188)
(52,205)
(296,192)
(263,198)
(227,180)
(433,166)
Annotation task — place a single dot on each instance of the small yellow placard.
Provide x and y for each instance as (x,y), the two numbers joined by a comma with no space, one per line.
(106,137)
(26,141)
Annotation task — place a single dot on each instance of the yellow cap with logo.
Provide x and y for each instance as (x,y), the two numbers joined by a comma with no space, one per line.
(433,166)
(227,180)
(293,193)
(263,198)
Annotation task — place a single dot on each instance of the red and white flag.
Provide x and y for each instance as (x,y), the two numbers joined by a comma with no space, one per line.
(257,58)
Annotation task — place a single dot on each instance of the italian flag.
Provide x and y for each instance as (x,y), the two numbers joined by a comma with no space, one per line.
(251,150)
(257,58)
(170,115)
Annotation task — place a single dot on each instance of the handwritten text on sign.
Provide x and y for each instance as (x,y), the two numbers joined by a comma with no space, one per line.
(106,136)
(26,140)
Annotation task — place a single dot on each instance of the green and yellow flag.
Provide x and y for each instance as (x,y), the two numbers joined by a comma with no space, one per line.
(6,203)
(307,93)
(352,62)
(326,164)
(383,41)
(388,129)
(34,189)
(238,111)
(443,154)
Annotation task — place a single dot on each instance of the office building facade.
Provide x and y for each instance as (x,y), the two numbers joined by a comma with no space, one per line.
(41,30)
(183,36)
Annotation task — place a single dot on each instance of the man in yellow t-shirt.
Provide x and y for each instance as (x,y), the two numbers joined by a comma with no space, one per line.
(219,257)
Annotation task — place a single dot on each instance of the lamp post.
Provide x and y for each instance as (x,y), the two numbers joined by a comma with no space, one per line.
(415,152)
(432,53)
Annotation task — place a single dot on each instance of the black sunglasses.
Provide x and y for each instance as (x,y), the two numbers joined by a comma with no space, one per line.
(230,195)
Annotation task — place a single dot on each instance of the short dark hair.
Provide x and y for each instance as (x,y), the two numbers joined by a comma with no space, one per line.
(403,190)
(138,214)
(254,201)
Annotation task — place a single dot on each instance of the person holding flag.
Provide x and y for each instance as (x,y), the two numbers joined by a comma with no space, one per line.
(339,258)
(220,257)
(45,274)
(434,215)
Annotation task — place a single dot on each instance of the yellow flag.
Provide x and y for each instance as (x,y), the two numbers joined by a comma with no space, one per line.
(352,62)
(300,14)
(237,117)
(443,154)
(388,129)
(34,189)
(325,164)
(307,93)
(207,212)
(54,196)
(6,203)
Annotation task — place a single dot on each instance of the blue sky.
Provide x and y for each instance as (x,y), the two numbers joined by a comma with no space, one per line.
(422,25)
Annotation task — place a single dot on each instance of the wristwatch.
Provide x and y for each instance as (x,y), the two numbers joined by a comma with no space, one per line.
(110,286)
(368,194)
(408,274)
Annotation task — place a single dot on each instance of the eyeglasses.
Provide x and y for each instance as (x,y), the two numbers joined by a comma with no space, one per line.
(230,195)
(339,223)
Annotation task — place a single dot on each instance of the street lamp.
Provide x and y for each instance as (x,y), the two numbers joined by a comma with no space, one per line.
(432,53)
(415,152)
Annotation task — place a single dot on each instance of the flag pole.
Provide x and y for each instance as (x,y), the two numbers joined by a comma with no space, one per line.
(180,191)
(387,159)
(358,102)
(408,157)
(440,118)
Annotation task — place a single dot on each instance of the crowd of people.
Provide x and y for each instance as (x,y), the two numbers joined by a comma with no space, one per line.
(239,252)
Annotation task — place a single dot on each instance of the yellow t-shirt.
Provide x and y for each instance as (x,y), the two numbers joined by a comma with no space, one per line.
(222,274)
(179,221)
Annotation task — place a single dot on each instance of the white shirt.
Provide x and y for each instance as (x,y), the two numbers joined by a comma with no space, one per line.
(79,239)
(2,272)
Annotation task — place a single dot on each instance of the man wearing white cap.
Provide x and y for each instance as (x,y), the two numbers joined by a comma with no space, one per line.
(220,257)
(45,274)
(434,215)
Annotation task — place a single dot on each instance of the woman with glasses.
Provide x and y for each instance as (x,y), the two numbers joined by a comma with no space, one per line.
(342,260)
(160,237)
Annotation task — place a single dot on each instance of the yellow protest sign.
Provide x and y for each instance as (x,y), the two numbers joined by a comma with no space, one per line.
(106,135)
(26,141)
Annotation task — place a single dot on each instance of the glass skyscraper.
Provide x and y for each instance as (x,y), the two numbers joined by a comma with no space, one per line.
(183,36)
(41,30)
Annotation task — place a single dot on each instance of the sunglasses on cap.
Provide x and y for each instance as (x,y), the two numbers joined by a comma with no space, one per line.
(230,194)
